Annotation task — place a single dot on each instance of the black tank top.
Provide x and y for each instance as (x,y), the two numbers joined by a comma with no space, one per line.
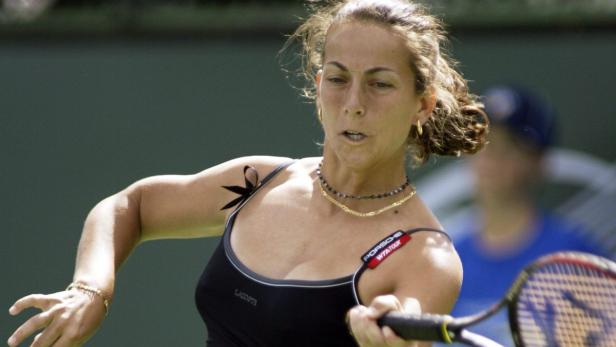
(243,309)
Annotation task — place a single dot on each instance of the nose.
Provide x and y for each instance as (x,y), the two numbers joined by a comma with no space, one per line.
(354,105)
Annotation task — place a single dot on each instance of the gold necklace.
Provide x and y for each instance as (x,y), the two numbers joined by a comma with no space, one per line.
(370,213)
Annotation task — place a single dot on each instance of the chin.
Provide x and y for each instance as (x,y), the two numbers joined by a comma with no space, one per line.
(355,163)
(354,159)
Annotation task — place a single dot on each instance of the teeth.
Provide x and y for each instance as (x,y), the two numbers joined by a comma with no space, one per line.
(355,136)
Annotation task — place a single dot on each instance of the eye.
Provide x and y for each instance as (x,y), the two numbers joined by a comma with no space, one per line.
(382,85)
(336,80)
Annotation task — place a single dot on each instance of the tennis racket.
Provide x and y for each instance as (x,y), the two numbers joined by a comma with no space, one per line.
(560,300)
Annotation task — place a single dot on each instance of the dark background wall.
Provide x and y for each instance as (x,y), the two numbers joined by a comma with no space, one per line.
(80,120)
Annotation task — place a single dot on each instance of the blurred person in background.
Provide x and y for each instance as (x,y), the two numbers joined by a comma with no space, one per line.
(509,230)
(313,240)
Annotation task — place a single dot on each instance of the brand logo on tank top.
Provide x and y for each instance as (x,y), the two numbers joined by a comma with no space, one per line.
(386,247)
(249,299)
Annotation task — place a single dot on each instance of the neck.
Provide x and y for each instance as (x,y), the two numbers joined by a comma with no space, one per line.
(507,224)
(366,179)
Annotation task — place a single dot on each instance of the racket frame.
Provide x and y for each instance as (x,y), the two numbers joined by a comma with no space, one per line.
(447,329)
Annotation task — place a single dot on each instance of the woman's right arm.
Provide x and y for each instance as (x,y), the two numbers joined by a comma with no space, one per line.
(158,207)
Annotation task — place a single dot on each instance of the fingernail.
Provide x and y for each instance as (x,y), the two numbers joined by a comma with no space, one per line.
(12,310)
(11,341)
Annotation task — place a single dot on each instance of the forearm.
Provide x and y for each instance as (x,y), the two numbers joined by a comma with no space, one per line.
(111,231)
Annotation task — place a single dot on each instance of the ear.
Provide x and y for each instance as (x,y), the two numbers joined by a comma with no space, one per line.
(427,102)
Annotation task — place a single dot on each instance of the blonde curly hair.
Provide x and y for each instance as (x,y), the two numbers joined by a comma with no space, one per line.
(458,123)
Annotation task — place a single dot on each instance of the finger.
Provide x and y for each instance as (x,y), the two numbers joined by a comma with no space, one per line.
(33,324)
(412,305)
(67,341)
(39,301)
(48,336)
(353,323)
(391,339)
(365,328)
(35,339)
(382,304)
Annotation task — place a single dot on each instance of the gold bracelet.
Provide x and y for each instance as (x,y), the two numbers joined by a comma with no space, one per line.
(90,291)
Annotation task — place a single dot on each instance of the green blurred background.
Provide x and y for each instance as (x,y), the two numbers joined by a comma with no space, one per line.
(94,96)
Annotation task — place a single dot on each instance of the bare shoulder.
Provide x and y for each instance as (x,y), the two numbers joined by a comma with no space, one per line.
(298,170)
(227,173)
(427,267)
(180,206)
(261,163)
(434,272)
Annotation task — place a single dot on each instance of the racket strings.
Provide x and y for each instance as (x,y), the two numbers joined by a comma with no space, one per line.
(567,304)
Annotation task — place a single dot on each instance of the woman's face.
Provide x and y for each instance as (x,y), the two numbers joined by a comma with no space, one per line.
(366,94)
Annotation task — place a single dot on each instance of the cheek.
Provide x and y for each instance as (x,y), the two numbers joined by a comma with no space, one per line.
(400,120)
(327,103)
(401,129)
(329,98)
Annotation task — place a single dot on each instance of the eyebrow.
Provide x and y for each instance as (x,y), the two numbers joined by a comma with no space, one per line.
(369,71)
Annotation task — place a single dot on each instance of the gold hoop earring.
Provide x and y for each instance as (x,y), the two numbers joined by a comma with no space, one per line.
(320,115)
(419,128)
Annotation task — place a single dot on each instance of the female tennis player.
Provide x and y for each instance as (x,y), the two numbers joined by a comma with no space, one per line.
(313,250)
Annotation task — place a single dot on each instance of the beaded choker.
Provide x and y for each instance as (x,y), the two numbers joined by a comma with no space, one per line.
(338,194)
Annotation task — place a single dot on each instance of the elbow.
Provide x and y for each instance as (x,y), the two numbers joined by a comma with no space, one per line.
(120,214)
(128,207)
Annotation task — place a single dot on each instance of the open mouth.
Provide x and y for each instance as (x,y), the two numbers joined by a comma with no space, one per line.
(354,136)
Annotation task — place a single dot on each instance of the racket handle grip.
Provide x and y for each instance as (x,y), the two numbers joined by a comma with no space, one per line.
(424,327)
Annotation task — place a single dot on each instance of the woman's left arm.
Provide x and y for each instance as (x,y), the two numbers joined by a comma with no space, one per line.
(429,283)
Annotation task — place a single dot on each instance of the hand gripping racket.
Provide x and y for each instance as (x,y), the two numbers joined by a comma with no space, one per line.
(560,300)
